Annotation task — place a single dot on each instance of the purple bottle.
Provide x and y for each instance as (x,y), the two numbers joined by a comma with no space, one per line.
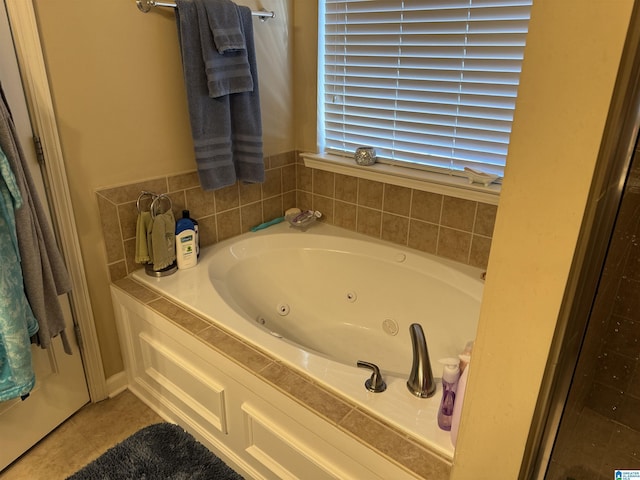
(450,377)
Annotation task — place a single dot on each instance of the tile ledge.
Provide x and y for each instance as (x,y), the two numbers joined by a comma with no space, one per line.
(405,177)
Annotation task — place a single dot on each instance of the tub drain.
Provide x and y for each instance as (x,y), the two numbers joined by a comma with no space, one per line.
(283,309)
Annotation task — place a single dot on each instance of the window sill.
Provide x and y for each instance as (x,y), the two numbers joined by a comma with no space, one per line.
(405,177)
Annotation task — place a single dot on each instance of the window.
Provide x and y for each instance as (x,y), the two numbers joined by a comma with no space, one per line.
(431,84)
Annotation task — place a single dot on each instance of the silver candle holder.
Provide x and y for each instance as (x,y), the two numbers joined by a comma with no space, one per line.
(365,156)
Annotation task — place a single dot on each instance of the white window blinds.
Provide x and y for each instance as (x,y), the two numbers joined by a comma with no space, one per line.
(429,82)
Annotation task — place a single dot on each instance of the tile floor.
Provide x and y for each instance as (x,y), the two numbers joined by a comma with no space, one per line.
(82,438)
(592,447)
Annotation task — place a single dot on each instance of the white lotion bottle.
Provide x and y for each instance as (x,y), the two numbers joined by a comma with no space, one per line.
(186,243)
(186,252)
(457,406)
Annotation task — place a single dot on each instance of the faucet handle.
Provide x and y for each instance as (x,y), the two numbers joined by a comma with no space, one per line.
(374,384)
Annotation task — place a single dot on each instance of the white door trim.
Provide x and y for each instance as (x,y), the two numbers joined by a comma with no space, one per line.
(36,86)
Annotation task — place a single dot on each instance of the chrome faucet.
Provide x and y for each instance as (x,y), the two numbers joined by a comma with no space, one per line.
(420,381)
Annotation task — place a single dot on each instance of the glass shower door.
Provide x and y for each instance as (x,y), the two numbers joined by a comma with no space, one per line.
(599,432)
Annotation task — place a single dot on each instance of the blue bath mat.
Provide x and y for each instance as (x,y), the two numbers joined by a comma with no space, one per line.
(161,451)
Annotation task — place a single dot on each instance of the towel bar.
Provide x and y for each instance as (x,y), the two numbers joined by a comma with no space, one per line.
(146,5)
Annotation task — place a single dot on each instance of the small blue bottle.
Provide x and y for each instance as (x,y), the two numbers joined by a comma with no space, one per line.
(450,377)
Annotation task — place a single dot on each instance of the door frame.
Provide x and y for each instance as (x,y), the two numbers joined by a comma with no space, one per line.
(24,28)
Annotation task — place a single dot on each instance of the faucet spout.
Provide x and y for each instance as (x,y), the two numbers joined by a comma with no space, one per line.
(420,381)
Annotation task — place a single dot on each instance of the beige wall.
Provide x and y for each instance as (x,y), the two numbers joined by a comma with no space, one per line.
(119,99)
(569,71)
(305,27)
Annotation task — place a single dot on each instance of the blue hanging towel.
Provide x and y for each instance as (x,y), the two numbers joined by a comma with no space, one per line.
(221,80)
(43,269)
(17,323)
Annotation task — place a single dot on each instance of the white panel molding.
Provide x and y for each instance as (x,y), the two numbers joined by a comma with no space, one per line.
(191,374)
(273,433)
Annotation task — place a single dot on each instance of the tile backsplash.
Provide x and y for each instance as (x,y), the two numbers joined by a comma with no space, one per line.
(457,229)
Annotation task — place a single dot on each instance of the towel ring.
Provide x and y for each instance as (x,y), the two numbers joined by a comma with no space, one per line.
(156,202)
(141,196)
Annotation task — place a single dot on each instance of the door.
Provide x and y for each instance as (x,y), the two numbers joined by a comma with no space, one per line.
(599,431)
(61,387)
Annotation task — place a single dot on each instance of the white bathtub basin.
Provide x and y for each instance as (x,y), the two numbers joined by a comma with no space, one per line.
(348,299)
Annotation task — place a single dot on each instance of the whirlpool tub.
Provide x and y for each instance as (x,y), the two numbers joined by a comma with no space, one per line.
(322,299)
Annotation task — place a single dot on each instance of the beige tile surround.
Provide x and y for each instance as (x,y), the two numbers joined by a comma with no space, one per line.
(221,214)
(453,228)
(407,452)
